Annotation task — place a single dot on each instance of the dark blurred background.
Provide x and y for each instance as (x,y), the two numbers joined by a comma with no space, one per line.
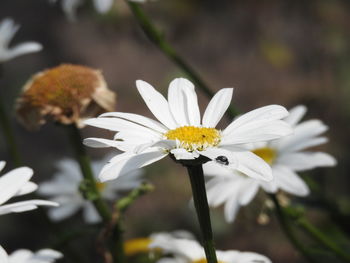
(286,52)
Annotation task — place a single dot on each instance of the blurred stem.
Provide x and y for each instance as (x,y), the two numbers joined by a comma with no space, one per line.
(317,235)
(157,38)
(288,230)
(9,135)
(123,204)
(195,173)
(91,191)
(120,208)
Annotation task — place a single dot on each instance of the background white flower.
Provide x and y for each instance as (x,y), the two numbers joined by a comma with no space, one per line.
(8,29)
(190,251)
(16,183)
(64,189)
(70,7)
(286,157)
(27,256)
(181,132)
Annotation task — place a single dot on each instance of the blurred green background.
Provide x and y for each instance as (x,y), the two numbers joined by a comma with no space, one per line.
(272,52)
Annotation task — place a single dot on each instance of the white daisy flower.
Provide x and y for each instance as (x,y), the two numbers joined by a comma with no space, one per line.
(70,7)
(27,256)
(190,251)
(181,132)
(286,156)
(8,29)
(64,189)
(142,244)
(16,183)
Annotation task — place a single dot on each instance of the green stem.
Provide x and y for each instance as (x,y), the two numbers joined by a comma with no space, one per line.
(317,235)
(90,191)
(288,230)
(120,208)
(9,135)
(123,204)
(157,38)
(195,173)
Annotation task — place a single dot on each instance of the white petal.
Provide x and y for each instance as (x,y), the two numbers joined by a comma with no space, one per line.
(248,190)
(20,255)
(144,121)
(303,161)
(183,102)
(70,7)
(103,6)
(13,181)
(90,213)
(64,211)
(302,133)
(29,187)
(289,181)
(21,49)
(295,115)
(267,113)
(116,124)
(156,103)
(47,254)
(300,144)
(2,165)
(231,209)
(101,143)
(256,131)
(8,29)
(253,166)
(3,255)
(217,107)
(126,162)
(245,162)
(24,206)
(182,154)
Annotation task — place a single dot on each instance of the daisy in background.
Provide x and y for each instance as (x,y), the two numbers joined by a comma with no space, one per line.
(8,29)
(64,189)
(190,251)
(141,245)
(16,183)
(70,7)
(287,156)
(182,133)
(27,256)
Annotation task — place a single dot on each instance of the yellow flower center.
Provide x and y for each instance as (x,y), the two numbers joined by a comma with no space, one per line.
(267,154)
(100,186)
(136,246)
(203,260)
(194,138)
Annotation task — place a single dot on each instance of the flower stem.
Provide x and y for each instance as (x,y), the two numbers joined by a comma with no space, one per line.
(288,230)
(195,173)
(90,191)
(9,135)
(317,235)
(157,38)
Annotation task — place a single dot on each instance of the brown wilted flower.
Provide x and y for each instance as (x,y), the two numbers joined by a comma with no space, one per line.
(67,94)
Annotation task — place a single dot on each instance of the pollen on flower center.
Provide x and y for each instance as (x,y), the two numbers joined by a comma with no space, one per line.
(267,154)
(194,138)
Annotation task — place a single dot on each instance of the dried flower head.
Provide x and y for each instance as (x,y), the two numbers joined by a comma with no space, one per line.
(67,94)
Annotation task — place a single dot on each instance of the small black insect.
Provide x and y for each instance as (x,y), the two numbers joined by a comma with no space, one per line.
(222,160)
